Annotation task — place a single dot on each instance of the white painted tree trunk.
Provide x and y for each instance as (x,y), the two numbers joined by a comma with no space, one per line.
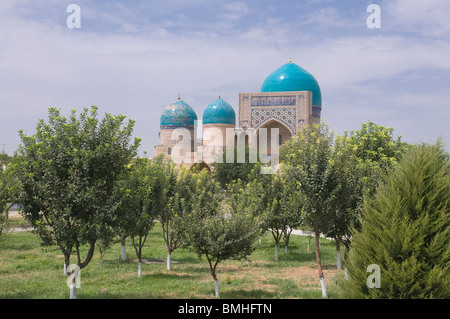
(276,252)
(65,269)
(73,290)
(260,240)
(216,285)
(324,289)
(338,259)
(169,261)
(124,253)
(246,259)
(140,270)
(286,249)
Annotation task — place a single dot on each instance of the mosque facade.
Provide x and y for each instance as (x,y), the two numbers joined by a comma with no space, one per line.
(289,99)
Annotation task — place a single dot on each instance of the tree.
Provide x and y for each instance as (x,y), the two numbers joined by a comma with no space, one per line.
(6,191)
(359,158)
(405,231)
(349,178)
(281,206)
(215,232)
(176,202)
(228,173)
(306,158)
(142,190)
(68,171)
(292,207)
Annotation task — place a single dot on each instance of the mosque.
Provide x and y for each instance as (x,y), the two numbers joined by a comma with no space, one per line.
(290,98)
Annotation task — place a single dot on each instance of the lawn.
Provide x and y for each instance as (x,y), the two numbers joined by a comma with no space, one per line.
(29,271)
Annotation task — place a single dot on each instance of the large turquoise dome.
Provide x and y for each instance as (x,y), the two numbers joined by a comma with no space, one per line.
(219,112)
(291,77)
(178,114)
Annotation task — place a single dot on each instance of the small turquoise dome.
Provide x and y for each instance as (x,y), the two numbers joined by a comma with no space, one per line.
(219,112)
(291,77)
(178,114)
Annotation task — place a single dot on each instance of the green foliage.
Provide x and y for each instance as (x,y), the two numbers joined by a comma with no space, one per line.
(228,173)
(5,191)
(307,159)
(67,174)
(176,203)
(214,231)
(359,158)
(405,230)
(141,189)
(376,143)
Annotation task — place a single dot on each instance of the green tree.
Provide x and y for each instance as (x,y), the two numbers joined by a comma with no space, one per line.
(142,188)
(359,158)
(67,173)
(306,158)
(281,206)
(216,232)
(405,231)
(176,203)
(6,191)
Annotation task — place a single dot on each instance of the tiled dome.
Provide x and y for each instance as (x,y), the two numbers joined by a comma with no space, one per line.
(219,112)
(291,77)
(178,114)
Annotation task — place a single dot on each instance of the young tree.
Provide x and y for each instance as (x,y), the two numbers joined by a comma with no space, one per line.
(176,202)
(359,158)
(6,200)
(405,232)
(281,207)
(292,206)
(68,171)
(215,232)
(142,189)
(306,158)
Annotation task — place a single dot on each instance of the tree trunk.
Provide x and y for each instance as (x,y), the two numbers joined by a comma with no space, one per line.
(66,263)
(89,255)
(276,251)
(319,263)
(124,250)
(73,291)
(347,249)
(286,249)
(169,261)
(140,269)
(216,284)
(73,286)
(338,253)
(212,268)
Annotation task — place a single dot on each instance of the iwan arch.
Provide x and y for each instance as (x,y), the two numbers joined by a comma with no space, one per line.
(290,98)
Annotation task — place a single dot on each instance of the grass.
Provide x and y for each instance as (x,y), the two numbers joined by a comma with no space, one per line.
(28,271)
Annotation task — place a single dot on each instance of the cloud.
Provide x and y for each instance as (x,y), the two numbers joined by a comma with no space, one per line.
(139,66)
(430,18)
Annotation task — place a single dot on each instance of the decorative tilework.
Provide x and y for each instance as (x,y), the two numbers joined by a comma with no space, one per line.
(273,100)
(286,116)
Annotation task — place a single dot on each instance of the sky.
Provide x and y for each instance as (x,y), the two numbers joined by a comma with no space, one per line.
(134,57)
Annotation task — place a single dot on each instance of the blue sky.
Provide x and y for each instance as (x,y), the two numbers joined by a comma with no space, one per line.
(135,57)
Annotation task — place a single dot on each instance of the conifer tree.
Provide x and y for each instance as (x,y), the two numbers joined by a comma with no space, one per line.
(405,231)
